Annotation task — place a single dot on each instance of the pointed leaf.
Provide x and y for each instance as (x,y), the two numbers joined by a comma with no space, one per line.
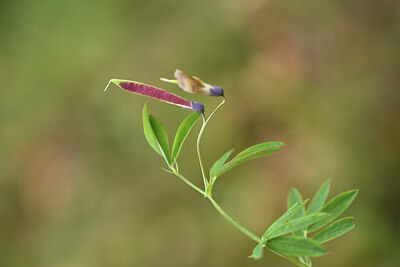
(319,199)
(261,146)
(296,246)
(282,219)
(148,131)
(251,153)
(237,161)
(295,197)
(258,252)
(334,230)
(161,136)
(335,207)
(285,217)
(182,133)
(217,165)
(296,224)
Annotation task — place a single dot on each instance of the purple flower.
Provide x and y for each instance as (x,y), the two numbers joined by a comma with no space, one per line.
(154,92)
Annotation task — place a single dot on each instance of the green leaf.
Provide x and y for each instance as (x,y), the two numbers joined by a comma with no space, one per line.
(296,224)
(282,219)
(161,136)
(182,133)
(319,198)
(253,152)
(286,216)
(334,230)
(259,147)
(295,197)
(258,252)
(148,131)
(335,207)
(296,246)
(217,165)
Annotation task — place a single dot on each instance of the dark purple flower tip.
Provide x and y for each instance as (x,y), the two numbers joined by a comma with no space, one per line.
(197,107)
(216,91)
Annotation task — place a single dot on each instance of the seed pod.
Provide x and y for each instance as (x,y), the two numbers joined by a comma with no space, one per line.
(157,93)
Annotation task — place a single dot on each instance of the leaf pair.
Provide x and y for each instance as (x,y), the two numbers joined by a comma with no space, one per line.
(256,151)
(157,137)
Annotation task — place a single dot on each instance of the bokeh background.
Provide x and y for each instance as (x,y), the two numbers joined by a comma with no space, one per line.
(79,186)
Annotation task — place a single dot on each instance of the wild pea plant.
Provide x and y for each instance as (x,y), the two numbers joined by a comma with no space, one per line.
(292,236)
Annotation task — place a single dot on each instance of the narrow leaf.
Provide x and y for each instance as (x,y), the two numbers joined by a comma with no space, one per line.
(250,153)
(334,230)
(296,224)
(236,161)
(148,131)
(319,198)
(182,133)
(285,217)
(258,252)
(217,165)
(161,136)
(295,197)
(262,146)
(282,219)
(296,246)
(335,207)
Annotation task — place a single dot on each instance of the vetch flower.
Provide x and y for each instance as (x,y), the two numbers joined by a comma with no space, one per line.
(194,85)
(157,93)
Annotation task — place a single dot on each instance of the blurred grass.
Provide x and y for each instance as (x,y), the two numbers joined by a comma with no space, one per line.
(80,187)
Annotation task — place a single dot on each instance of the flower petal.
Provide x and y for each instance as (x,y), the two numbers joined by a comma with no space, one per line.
(194,85)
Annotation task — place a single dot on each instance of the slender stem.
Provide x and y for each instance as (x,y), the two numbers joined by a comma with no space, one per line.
(219,209)
(205,121)
(233,222)
(189,183)
(199,155)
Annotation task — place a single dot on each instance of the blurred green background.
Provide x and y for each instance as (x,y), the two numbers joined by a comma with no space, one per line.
(79,186)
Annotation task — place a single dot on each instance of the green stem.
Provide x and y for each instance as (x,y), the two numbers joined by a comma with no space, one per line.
(233,222)
(189,183)
(219,209)
(199,140)
(199,155)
